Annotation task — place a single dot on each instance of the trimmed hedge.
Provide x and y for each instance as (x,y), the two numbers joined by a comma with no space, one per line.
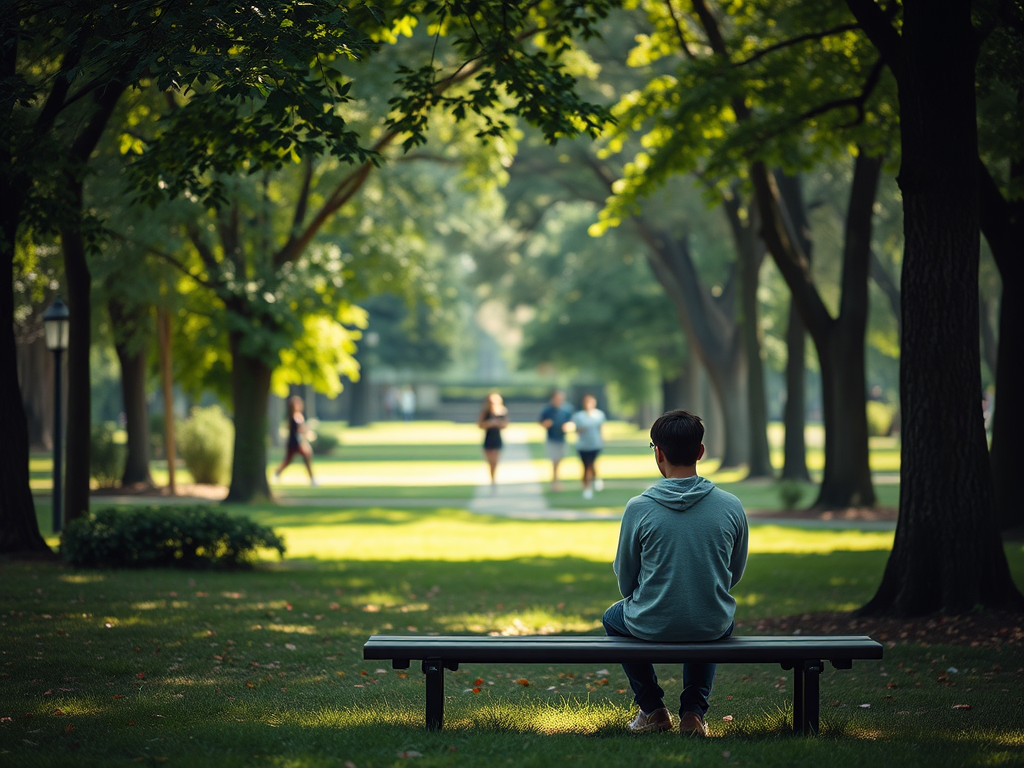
(181,537)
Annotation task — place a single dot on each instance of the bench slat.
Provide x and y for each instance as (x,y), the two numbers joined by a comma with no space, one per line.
(602,650)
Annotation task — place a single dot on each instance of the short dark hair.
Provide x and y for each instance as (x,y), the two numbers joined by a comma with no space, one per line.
(679,435)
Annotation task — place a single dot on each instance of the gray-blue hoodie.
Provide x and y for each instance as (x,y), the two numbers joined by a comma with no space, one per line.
(682,547)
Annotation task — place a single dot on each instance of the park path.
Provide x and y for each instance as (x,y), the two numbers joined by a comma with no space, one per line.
(519,494)
(522,495)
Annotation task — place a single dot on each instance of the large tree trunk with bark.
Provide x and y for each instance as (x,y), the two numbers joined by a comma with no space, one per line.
(19,529)
(35,377)
(250,390)
(947,556)
(132,356)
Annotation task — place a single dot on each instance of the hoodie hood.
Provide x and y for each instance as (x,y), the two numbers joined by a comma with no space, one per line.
(679,494)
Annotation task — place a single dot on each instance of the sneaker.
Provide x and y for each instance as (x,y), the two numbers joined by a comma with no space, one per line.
(598,484)
(692,724)
(588,494)
(658,720)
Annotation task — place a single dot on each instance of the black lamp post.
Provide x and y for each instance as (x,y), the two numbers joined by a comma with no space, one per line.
(57,326)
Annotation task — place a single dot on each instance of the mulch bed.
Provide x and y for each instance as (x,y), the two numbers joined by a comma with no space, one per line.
(991,629)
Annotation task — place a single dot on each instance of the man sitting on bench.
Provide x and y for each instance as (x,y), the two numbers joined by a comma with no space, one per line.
(682,547)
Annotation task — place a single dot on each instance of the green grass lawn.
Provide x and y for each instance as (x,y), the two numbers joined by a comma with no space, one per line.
(264,667)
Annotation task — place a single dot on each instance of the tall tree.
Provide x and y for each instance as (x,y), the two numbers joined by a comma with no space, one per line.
(253,100)
(736,105)
(947,555)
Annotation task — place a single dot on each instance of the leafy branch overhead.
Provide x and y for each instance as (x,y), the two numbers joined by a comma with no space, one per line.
(257,88)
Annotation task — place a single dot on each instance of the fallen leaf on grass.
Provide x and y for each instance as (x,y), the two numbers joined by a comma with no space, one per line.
(409,753)
(961,706)
(523,682)
(728,718)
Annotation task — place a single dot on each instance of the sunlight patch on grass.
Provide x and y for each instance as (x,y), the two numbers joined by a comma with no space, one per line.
(566,716)
(532,621)
(81,578)
(292,629)
(776,538)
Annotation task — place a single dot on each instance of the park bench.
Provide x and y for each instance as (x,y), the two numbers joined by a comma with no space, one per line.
(803,654)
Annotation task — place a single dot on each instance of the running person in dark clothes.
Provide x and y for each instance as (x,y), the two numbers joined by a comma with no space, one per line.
(493,419)
(297,443)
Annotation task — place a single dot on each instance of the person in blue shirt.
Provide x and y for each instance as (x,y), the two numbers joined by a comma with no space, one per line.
(682,548)
(553,418)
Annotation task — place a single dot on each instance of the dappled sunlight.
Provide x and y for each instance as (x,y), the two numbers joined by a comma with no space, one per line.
(292,629)
(533,621)
(777,538)
(81,578)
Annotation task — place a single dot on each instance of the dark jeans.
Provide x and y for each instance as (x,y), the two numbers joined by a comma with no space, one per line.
(698,678)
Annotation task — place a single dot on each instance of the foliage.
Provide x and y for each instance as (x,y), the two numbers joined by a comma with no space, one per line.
(106,455)
(181,537)
(325,442)
(880,418)
(790,493)
(204,442)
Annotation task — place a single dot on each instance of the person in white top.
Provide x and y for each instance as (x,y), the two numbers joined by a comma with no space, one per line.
(589,442)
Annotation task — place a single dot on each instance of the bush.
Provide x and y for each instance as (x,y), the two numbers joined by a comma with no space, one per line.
(106,457)
(880,418)
(324,442)
(182,537)
(204,442)
(790,493)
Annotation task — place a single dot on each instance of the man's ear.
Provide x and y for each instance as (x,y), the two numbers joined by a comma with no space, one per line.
(700,453)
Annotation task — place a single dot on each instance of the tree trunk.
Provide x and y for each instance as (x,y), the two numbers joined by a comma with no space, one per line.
(759,462)
(250,390)
(132,357)
(712,334)
(838,341)
(35,377)
(19,529)
(1007,452)
(947,556)
(794,415)
(847,476)
(1002,223)
(79,423)
(163,324)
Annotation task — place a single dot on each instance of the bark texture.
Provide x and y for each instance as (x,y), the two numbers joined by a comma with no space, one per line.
(947,556)
(250,389)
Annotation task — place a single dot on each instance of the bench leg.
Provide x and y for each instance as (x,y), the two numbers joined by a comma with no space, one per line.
(806,701)
(434,670)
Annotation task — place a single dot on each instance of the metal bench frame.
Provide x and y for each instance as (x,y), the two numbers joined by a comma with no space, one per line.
(803,654)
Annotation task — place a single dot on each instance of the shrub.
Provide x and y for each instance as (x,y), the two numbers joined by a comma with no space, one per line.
(184,537)
(204,441)
(790,493)
(324,442)
(880,418)
(106,457)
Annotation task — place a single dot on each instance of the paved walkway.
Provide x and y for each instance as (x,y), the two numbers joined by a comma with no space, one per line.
(519,494)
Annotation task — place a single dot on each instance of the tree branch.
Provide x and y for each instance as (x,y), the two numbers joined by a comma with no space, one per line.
(796,41)
(877,25)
